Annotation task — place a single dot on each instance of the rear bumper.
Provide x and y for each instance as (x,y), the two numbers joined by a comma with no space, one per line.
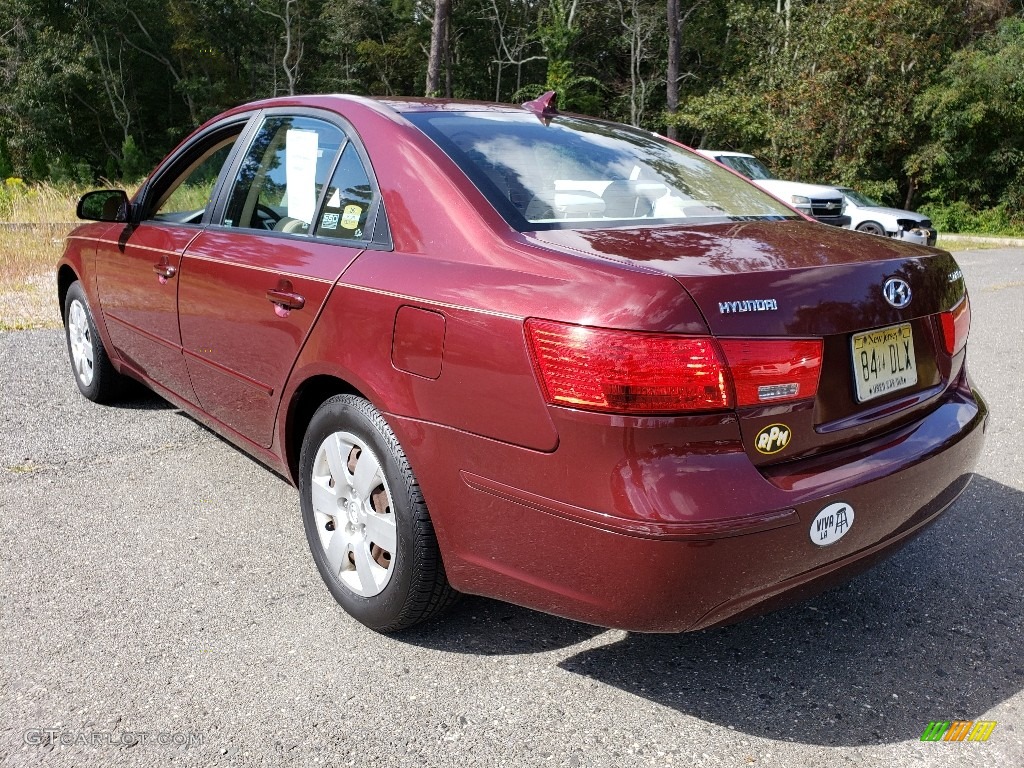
(707,540)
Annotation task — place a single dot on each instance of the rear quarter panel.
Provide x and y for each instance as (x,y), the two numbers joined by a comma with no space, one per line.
(453,255)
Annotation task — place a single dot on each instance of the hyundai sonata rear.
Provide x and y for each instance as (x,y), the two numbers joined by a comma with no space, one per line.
(537,357)
(796,408)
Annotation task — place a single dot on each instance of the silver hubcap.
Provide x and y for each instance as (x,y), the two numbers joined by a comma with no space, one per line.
(353,514)
(81,342)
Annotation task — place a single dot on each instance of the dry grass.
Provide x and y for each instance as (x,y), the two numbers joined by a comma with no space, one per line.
(28,281)
(30,302)
(33,223)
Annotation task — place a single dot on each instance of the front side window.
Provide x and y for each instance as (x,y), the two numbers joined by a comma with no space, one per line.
(185,198)
(576,173)
(282,175)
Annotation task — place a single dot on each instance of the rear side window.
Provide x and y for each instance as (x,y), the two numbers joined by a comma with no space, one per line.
(349,198)
(282,175)
(577,173)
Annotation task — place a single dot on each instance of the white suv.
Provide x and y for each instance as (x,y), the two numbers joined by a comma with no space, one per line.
(826,204)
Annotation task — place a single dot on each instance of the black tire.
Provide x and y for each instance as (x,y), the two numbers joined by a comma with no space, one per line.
(98,381)
(416,587)
(871,228)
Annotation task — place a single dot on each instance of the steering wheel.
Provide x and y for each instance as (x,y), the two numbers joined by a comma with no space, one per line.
(266,216)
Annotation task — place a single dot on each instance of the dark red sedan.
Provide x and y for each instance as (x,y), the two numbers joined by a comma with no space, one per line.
(548,359)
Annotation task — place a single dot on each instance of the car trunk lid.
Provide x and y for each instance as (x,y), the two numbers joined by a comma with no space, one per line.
(766,280)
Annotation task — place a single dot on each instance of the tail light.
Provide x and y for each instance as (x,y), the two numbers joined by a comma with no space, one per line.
(956,325)
(773,370)
(631,372)
(622,371)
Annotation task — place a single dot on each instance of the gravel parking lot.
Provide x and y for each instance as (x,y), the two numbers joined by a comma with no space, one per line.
(159,607)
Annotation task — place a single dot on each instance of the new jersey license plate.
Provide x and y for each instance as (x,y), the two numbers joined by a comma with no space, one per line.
(883,361)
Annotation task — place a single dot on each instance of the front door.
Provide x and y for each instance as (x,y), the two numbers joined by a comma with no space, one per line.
(138,267)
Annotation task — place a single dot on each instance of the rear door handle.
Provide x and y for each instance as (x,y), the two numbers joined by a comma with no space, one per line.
(286,299)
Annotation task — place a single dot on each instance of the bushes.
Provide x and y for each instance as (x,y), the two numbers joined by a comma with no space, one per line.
(38,203)
(960,217)
(10,191)
(134,164)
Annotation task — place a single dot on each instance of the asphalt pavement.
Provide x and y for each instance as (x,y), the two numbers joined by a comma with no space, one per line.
(158,606)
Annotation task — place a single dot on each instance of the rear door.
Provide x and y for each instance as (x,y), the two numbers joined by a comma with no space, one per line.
(299,209)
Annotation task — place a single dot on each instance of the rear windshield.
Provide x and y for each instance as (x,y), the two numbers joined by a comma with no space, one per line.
(584,174)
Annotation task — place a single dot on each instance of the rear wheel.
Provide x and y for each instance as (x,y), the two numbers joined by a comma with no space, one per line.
(871,228)
(366,523)
(94,373)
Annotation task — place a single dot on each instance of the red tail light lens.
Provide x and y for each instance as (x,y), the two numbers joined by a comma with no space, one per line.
(956,326)
(773,370)
(628,372)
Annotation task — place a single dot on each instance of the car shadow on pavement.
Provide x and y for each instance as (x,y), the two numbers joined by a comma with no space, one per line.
(478,625)
(138,397)
(934,633)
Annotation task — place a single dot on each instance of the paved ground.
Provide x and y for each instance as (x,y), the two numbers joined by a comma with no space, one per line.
(155,581)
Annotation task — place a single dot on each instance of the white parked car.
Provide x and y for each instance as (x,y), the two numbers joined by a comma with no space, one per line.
(868,216)
(823,203)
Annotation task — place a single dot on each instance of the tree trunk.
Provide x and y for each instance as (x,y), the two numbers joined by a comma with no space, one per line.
(911,191)
(448,57)
(442,8)
(672,73)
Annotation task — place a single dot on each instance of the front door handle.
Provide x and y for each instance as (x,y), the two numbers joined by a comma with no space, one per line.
(285,299)
(164,271)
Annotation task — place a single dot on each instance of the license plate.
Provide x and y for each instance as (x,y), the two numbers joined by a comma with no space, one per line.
(883,361)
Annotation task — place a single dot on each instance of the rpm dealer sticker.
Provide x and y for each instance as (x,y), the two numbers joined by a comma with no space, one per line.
(773,438)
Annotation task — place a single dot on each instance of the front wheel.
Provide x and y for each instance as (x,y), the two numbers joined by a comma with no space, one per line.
(365,519)
(94,373)
(871,228)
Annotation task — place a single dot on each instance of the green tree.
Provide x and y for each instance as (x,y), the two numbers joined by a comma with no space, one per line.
(558,29)
(6,164)
(827,92)
(974,155)
(372,47)
(906,99)
(134,165)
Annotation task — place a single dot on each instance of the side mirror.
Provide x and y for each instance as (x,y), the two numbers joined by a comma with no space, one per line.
(104,205)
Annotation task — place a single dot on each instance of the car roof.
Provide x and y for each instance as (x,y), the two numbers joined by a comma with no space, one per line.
(722,153)
(413,104)
(387,104)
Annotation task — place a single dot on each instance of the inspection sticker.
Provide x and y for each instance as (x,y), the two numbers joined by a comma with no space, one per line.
(350,217)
